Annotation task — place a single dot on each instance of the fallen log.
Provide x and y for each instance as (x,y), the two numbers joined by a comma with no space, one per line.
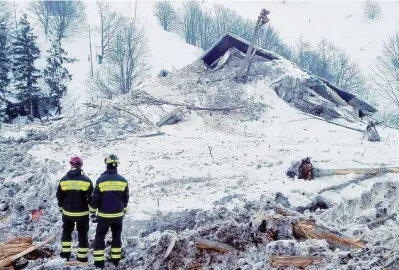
(307,229)
(293,261)
(205,244)
(9,260)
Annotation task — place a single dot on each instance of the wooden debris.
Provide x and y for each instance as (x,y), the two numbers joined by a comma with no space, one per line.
(373,171)
(76,263)
(194,266)
(171,118)
(171,245)
(205,244)
(22,239)
(371,225)
(293,261)
(9,260)
(342,185)
(307,229)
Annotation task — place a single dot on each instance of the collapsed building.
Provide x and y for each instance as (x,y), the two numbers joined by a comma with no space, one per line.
(311,94)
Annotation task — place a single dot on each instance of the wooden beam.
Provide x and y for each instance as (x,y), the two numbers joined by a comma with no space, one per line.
(205,244)
(307,229)
(372,171)
(293,261)
(9,260)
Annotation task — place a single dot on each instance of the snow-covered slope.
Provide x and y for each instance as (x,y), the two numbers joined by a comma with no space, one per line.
(166,50)
(342,22)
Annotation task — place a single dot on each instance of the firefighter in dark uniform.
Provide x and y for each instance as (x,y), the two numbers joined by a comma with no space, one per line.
(109,200)
(74,196)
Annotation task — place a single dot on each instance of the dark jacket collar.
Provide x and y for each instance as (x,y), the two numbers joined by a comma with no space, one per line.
(111,171)
(75,172)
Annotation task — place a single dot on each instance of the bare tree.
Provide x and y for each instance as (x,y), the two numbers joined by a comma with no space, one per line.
(386,70)
(127,63)
(269,39)
(347,75)
(166,14)
(42,11)
(110,21)
(372,9)
(5,12)
(67,17)
(190,16)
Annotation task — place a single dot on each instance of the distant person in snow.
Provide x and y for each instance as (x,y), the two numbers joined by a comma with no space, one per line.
(74,196)
(109,200)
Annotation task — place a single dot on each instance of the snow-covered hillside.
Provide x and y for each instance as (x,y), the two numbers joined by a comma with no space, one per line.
(342,22)
(166,50)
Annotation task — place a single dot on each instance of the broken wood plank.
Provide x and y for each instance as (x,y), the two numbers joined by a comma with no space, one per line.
(12,249)
(76,263)
(293,261)
(372,171)
(341,186)
(205,244)
(307,229)
(171,245)
(158,133)
(22,239)
(371,225)
(9,260)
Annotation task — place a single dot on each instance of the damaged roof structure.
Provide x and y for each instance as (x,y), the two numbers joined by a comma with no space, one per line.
(311,93)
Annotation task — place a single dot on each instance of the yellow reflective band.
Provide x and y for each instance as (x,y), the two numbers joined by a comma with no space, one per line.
(110,215)
(116,250)
(74,185)
(92,209)
(112,186)
(99,259)
(112,161)
(66,250)
(82,250)
(98,252)
(75,214)
(82,255)
(113,256)
(66,244)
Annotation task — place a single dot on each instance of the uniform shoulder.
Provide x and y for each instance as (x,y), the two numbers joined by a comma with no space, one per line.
(122,178)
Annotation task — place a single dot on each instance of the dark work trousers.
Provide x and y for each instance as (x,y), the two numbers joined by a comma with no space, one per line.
(99,244)
(82,227)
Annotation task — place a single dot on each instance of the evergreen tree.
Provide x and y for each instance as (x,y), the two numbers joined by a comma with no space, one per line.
(4,59)
(56,75)
(25,52)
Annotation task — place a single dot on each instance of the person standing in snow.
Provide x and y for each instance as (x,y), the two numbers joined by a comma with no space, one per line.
(74,196)
(109,200)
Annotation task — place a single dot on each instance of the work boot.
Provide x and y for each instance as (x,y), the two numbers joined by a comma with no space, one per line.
(65,255)
(114,262)
(99,265)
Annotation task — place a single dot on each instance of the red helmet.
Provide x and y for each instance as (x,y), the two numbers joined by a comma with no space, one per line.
(76,162)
